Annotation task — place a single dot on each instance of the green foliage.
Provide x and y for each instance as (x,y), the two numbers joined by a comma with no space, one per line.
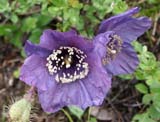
(27,19)
(142,88)
(92,119)
(148,71)
(76,111)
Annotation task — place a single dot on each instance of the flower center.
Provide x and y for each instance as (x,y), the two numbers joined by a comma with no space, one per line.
(113,47)
(67,64)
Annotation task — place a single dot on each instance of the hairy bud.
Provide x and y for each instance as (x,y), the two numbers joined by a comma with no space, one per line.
(20,111)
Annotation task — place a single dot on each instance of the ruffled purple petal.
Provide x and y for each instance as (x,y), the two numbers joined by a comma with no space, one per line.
(127,27)
(83,93)
(33,72)
(125,62)
(113,22)
(36,49)
(52,39)
(100,42)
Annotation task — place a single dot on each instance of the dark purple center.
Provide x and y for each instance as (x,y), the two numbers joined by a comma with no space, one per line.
(67,64)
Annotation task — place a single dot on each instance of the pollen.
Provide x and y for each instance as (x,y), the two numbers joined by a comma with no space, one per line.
(113,47)
(67,64)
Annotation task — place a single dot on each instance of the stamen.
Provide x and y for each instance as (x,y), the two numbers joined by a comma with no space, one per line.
(67,64)
(113,47)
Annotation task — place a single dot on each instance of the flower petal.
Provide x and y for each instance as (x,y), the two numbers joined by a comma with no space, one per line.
(52,39)
(127,27)
(100,42)
(125,63)
(33,72)
(83,93)
(36,49)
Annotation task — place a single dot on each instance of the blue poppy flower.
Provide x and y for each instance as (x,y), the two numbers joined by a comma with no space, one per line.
(113,41)
(65,70)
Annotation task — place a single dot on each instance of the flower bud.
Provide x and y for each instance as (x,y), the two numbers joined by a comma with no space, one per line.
(20,111)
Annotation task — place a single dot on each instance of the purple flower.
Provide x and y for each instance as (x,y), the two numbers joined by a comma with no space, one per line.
(114,38)
(65,71)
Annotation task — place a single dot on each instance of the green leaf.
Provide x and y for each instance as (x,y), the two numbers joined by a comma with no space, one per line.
(92,119)
(119,7)
(35,35)
(76,111)
(14,18)
(154,113)
(55,11)
(7,29)
(29,24)
(142,118)
(156,101)
(4,6)
(43,22)
(59,3)
(147,99)
(141,88)
(17,39)
(126,77)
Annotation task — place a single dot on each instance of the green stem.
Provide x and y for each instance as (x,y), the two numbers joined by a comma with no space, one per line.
(68,116)
(89,113)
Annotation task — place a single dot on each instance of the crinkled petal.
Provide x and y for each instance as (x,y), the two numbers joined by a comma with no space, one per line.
(127,27)
(125,62)
(52,39)
(100,42)
(36,49)
(83,93)
(34,72)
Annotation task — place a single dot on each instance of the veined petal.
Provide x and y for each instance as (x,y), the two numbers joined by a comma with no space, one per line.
(36,49)
(113,22)
(89,91)
(52,39)
(33,72)
(127,27)
(71,75)
(100,42)
(125,62)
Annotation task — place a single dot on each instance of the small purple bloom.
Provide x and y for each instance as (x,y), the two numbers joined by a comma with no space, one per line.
(113,41)
(65,71)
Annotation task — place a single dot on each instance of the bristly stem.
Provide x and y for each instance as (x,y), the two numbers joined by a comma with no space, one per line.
(30,94)
(67,114)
